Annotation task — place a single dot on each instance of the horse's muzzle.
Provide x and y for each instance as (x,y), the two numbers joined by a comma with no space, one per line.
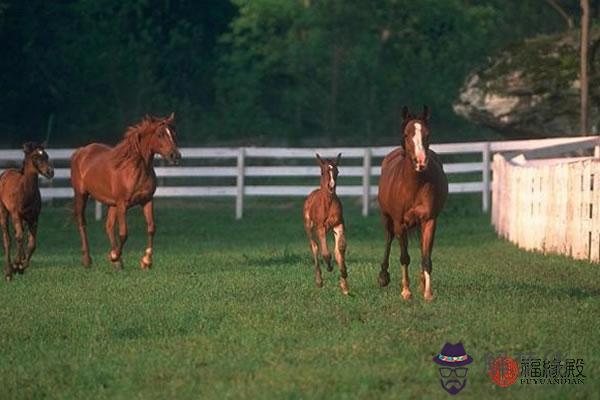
(420,165)
(49,173)
(174,157)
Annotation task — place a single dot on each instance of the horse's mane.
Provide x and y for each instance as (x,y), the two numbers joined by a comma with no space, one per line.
(131,145)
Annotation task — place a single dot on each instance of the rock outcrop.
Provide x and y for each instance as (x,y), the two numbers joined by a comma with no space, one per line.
(532,89)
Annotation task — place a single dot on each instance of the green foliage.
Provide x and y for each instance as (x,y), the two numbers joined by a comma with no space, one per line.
(273,71)
(101,65)
(230,310)
(339,68)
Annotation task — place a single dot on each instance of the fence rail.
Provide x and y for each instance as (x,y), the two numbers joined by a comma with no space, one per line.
(550,205)
(246,164)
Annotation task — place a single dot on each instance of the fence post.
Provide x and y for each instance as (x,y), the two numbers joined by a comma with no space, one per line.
(366,195)
(597,151)
(239,199)
(485,198)
(98,211)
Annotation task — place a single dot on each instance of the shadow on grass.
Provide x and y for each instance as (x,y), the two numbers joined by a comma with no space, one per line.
(275,259)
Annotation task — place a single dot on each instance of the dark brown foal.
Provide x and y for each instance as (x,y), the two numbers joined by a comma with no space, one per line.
(21,201)
(322,213)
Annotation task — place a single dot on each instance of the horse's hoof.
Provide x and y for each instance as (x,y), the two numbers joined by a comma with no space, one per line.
(8,278)
(319,283)
(145,266)
(146,262)
(428,297)
(86,261)
(113,256)
(344,287)
(406,294)
(20,271)
(384,278)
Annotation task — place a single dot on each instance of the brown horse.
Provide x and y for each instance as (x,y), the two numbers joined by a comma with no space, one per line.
(412,192)
(20,199)
(122,177)
(322,213)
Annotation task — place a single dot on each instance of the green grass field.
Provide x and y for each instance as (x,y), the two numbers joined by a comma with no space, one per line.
(230,310)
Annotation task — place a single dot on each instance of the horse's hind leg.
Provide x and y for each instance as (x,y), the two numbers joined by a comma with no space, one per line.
(314,248)
(8,271)
(322,234)
(404,261)
(19,237)
(340,256)
(384,275)
(80,202)
(31,243)
(427,234)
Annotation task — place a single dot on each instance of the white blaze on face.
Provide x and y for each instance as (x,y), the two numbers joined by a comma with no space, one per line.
(331,180)
(418,142)
(169,134)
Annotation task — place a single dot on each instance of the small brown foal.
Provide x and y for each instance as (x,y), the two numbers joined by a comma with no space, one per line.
(322,213)
(21,201)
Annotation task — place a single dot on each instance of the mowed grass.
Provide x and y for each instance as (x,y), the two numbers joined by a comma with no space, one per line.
(230,310)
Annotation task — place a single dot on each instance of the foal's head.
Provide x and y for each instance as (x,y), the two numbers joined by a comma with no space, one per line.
(36,154)
(329,172)
(164,139)
(416,137)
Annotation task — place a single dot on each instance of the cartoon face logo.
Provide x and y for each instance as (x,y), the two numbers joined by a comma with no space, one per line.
(453,373)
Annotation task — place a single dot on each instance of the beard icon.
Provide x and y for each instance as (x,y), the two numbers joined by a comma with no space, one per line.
(453,380)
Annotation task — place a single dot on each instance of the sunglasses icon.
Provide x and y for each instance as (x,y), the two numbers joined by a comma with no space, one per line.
(458,372)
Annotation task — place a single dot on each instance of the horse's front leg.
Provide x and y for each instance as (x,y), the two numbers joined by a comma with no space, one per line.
(8,270)
(121,212)
(404,262)
(340,256)
(114,255)
(427,234)
(146,261)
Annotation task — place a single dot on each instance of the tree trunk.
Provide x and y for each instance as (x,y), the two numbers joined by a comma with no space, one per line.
(585,27)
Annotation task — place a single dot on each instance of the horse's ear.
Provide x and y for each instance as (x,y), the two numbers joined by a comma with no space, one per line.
(319,159)
(426,113)
(28,147)
(338,158)
(405,113)
(171,117)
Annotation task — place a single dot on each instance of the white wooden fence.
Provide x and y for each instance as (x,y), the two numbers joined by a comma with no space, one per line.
(549,205)
(256,162)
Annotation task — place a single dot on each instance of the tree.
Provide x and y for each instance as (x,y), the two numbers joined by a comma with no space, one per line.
(585,27)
